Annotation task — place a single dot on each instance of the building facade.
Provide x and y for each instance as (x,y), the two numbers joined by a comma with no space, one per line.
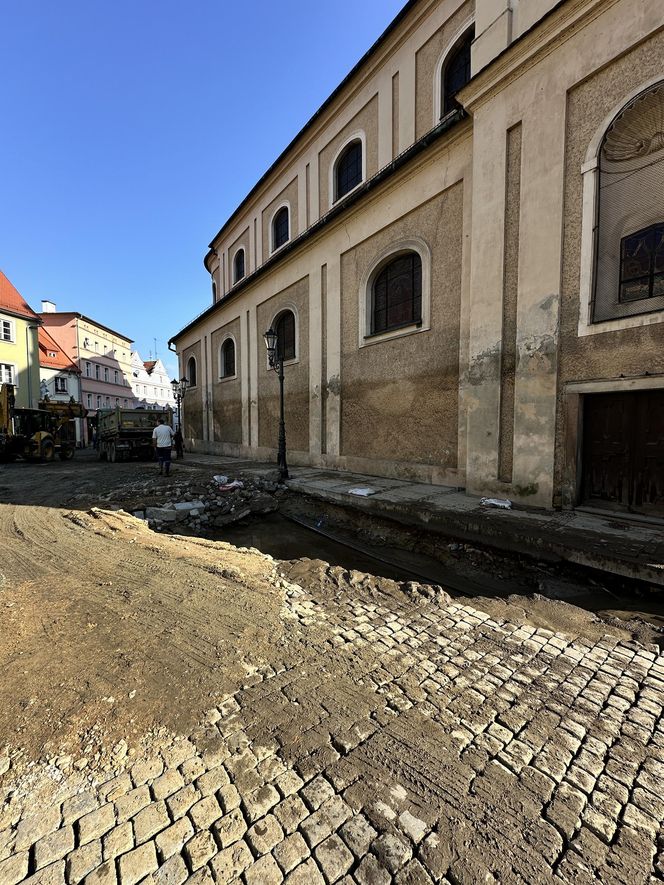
(60,378)
(102,355)
(463,254)
(150,383)
(19,347)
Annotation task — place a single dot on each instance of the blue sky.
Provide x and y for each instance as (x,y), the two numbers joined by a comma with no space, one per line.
(131,130)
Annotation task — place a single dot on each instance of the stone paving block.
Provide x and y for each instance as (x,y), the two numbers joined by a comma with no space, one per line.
(288,783)
(212,780)
(205,812)
(82,861)
(413,874)
(118,841)
(178,753)
(200,849)
(358,834)
(230,828)
(334,858)
(264,871)
(180,803)
(149,821)
(230,863)
(290,852)
(201,877)
(54,874)
(171,840)
(95,824)
(316,792)
(229,798)
(173,872)
(168,783)
(36,826)
(54,847)
(261,801)
(264,834)
(103,875)
(413,827)
(392,852)
(192,768)
(146,770)
(77,806)
(116,787)
(14,868)
(132,802)
(137,864)
(306,874)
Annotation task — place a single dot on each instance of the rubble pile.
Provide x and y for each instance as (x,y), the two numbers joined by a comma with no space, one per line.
(217,504)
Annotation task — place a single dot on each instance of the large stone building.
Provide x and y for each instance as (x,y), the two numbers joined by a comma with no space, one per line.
(19,346)
(150,383)
(463,255)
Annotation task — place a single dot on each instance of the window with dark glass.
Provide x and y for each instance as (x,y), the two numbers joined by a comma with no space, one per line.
(228,358)
(280,234)
(285,329)
(457,72)
(238,265)
(214,290)
(397,294)
(348,171)
(642,264)
(191,372)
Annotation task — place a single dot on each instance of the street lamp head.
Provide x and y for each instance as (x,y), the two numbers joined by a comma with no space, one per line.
(175,386)
(184,383)
(271,344)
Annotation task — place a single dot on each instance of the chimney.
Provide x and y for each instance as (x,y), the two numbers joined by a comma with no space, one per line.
(48,307)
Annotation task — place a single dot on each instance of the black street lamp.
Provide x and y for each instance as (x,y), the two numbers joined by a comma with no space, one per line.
(179,390)
(276,362)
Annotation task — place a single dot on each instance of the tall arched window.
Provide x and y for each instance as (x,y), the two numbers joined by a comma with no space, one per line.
(396,293)
(238,265)
(227,359)
(284,326)
(191,371)
(456,72)
(629,258)
(214,290)
(280,228)
(348,169)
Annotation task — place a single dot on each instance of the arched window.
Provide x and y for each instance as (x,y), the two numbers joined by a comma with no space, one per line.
(280,228)
(191,371)
(238,266)
(629,244)
(396,293)
(214,290)
(348,169)
(227,359)
(456,72)
(284,326)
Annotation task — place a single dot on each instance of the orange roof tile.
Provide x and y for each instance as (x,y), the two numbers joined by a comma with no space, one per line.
(48,346)
(149,365)
(11,301)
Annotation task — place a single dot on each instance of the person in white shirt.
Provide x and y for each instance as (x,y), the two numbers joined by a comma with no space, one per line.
(162,440)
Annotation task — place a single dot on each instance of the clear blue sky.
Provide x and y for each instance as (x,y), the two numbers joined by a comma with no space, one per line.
(129,131)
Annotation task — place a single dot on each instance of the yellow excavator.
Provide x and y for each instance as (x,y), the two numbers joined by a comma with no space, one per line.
(37,434)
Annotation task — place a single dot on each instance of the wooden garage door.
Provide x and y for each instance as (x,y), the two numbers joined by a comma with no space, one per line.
(623,451)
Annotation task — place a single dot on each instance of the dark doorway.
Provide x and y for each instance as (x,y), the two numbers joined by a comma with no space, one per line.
(623,451)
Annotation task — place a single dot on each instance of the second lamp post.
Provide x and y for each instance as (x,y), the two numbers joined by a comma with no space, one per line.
(276,362)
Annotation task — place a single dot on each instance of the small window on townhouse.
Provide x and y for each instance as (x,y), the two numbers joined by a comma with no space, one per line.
(348,169)
(117,400)
(124,402)
(191,371)
(227,359)
(106,374)
(116,376)
(238,266)
(396,294)
(7,330)
(98,373)
(89,400)
(284,326)
(98,402)
(96,347)
(86,343)
(105,349)
(60,385)
(52,354)
(108,402)
(456,72)
(88,370)
(8,374)
(280,228)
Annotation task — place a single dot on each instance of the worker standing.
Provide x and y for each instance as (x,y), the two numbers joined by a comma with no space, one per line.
(162,440)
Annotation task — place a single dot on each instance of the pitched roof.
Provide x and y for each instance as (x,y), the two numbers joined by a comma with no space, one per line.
(48,346)
(12,302)
(149,365)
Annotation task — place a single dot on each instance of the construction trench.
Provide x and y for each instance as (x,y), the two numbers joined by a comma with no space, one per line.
(308,695)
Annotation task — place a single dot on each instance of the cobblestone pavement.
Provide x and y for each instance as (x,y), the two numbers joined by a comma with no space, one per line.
(454,748)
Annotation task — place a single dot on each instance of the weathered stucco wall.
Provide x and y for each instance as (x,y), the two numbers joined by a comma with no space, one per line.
(288,193)
(399,397)
(226,392)
(608,354)
(192,404)
(366,120)
(426,68)
(296,384)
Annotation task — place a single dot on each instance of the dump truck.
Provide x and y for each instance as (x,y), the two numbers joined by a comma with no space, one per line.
(127,433)
(37,434)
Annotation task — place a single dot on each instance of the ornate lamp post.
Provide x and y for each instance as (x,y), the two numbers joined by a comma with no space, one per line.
(179,390)
(276,362)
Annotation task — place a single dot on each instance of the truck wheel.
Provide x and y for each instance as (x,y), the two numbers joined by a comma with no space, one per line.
(66,453)
(112,456)
(46,450)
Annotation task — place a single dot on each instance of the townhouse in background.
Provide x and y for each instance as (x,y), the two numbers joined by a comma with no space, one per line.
(60,377)
(462,253)
(102,355)
(150,383)
(19,346)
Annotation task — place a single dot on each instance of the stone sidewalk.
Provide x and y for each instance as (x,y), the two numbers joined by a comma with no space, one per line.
(602,541)
(415,740)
